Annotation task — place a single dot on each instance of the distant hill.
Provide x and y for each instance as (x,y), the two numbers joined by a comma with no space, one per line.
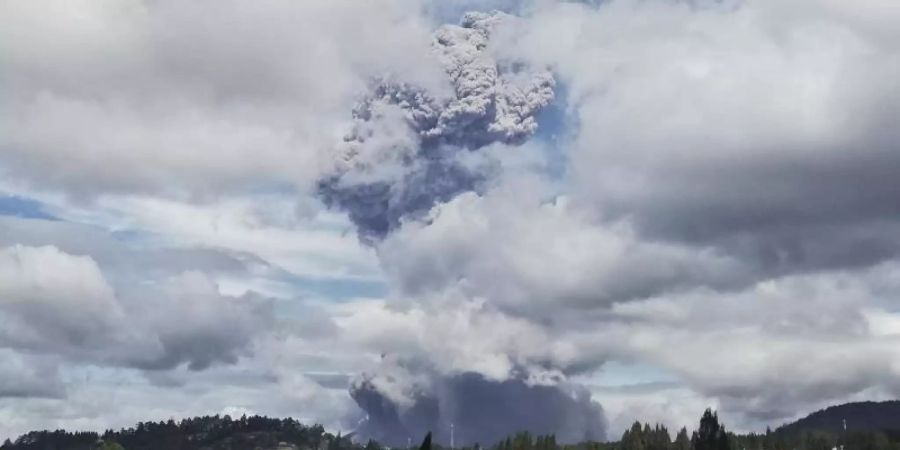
(199,433)
(860,416)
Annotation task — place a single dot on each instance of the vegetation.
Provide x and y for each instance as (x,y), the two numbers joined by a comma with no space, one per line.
(859,416)
(207,433)
(823,430)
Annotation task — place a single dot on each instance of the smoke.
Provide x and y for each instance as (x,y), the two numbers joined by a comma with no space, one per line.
(481,410)
(411,147)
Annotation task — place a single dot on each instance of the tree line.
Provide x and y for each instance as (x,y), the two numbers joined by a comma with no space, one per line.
(207,433)
(258,432)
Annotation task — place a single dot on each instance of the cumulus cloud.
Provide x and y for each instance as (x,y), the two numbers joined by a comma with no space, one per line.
(757,128)
(746,348)
(178,103)
(535,258)
(714,199)
(209,327)
(55,301)
(60,304)
(29,376)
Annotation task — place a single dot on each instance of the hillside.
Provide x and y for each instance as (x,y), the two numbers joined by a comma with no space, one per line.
(199,433)
(860,416)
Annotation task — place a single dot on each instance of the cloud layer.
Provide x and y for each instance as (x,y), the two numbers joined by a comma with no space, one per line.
(654,205)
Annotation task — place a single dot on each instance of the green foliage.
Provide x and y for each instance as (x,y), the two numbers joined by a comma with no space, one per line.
(646,438)
(682,441)
(263,433)
(711,435)
(372,445)
(207,433)
(110,445)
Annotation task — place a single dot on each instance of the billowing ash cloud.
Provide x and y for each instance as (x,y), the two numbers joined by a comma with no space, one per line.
(411,147)
(481,410)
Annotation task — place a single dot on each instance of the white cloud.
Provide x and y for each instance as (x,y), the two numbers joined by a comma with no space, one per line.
(262,225)
(723,209)
(159,97)
(533,257)
(58,304)
(53,301)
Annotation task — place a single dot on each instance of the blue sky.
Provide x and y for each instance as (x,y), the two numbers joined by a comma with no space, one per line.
(23,207)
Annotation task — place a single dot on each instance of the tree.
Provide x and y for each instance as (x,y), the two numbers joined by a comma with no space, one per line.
(768,440)
(372,445)
(426,443)
(868,441)
(682,441)
(659,438)
(110,445)
(523,441)
(335,442)
(711,435)
(633,438)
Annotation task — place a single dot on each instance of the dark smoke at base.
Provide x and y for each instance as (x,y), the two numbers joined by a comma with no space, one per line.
(482,411)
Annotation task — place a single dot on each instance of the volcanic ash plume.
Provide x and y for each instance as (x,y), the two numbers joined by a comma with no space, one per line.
(481,410)
(410,147)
